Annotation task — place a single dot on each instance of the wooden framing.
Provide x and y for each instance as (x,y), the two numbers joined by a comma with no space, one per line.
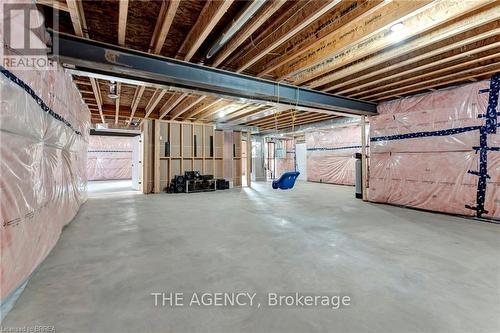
(187,104)
(341,47)
(271,7)
(211,14)
(298,21)
(454,29)
(201,108)
(439,81)
(322,28)
(417,17)
(155,99)
(135,102)
(122,21)
(185,155)
(163,24)
(369,92)
(171,103)
(358,29)
(213,109)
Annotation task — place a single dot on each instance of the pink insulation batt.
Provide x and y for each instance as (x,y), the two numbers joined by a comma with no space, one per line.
(330,154)
(432,172)
(42,169)
(109,157)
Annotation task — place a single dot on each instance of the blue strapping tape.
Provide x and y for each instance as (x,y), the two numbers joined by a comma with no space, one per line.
(45,108)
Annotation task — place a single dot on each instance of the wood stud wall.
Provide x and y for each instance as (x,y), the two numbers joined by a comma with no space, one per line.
(190,151)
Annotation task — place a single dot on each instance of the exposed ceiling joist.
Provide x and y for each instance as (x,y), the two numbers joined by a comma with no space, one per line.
(322,28)
(209,17)
(155,99)
(213,109)
(163,24)
(187,104)
(298,21)
(201,108)
(441,34)
(416,17)
(171,103)
(467,55)
(236,113)
(135,101)
(441,80)
(248,29)
(122,21)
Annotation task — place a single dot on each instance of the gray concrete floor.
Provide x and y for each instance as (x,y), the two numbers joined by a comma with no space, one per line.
(405,270)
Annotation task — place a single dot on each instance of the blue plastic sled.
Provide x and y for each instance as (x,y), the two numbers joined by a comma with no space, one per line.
(286,181)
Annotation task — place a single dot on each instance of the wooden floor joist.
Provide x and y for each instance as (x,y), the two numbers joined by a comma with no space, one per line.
(187,104)
(209,17)
(315,61)
(464,51)
(442,80)
(416,17)
(241,36)
(346,48)
(320,29)
(299,20)
(135,102)
(201,108)
(171,103)
(402,82)
(441,34)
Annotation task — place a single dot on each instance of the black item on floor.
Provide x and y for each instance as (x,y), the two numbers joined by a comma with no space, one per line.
(206,177)
(200,185)
(222,184)
(170,188)
(180,185)
(192,175)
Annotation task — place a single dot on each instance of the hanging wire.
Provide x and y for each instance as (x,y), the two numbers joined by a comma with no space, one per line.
(277,113)
(294,112)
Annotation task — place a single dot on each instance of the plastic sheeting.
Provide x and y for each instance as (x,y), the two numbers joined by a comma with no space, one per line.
(285,160)
(422,152)
(330,154)
(109,157)
(43,148)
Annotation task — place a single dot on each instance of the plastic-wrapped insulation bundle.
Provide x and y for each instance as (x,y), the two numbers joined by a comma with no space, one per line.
(44,128)
(430,152)
(109,157)
(330,154)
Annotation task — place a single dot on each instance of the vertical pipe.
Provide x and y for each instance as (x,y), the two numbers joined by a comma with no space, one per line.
(249,159)
(363,158)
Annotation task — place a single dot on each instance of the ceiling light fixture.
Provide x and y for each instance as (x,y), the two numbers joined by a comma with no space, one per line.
(397,27)
(112,90)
